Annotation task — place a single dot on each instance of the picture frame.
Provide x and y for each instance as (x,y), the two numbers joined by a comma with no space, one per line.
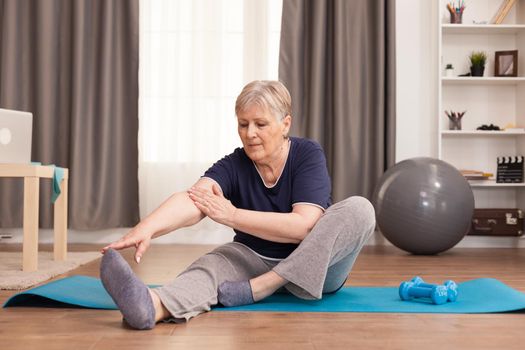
(506,64)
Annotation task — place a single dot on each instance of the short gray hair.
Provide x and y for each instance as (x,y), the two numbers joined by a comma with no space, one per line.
(270,95)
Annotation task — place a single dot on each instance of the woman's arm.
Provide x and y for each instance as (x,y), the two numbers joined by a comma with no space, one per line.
(277,227)
(176,212)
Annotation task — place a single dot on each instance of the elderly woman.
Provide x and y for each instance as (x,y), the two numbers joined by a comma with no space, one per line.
(274,192)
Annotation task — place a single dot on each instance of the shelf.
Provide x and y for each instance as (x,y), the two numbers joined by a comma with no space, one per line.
(489,133)
(493,183)
(482,80)
(488,99)
(477,29)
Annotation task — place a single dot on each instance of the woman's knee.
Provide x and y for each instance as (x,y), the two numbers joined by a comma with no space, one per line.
(356,209)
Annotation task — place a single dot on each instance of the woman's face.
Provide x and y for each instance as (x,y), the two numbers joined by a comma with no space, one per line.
(261,134)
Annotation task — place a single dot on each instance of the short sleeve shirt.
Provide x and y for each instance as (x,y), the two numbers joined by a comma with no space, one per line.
(304,180)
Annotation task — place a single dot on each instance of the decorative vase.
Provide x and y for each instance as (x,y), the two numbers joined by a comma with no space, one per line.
(449,72)
(477,71)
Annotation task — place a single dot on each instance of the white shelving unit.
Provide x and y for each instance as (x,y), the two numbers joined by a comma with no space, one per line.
(486,100)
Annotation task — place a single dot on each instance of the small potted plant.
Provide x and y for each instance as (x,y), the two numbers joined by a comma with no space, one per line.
(449,70)
(478,59)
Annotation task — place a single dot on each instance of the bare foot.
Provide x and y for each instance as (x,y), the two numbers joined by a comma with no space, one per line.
(161,313)
(266,284)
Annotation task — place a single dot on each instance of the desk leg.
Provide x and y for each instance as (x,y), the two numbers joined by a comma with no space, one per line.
(60,242)
(30,245)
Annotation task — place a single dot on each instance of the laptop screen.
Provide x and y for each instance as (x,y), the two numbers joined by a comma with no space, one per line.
(15,136)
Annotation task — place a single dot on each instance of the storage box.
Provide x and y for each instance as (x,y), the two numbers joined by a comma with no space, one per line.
(497,222)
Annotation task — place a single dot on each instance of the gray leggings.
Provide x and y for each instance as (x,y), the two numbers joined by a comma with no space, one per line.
(320,264)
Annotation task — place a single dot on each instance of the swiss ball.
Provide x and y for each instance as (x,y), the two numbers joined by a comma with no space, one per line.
(423,205)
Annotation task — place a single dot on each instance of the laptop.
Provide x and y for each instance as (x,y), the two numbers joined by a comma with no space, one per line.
(15,136)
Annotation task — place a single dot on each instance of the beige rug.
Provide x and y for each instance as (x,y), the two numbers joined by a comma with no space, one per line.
(13,278)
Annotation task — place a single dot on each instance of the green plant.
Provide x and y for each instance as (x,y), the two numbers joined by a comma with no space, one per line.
(478,59)
(449,66)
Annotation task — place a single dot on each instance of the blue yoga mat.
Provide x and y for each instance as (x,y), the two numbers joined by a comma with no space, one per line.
(485,295)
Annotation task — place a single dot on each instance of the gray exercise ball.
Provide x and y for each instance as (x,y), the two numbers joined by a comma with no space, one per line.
(423,205)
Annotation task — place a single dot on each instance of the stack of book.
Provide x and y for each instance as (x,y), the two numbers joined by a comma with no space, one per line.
(476,175)
(510,169)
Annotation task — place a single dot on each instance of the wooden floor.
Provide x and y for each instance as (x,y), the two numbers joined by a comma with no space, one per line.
(40,328)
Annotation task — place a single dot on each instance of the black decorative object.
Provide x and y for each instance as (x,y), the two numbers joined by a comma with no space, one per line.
(510,169)
(490,127)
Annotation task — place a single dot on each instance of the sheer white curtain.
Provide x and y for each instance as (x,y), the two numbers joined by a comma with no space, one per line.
(195,57)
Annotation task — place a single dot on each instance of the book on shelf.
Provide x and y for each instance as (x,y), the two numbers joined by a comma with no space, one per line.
(503,11)
(476,174)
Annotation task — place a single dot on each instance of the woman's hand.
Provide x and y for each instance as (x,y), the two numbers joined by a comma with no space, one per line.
(134,238)
(213,204)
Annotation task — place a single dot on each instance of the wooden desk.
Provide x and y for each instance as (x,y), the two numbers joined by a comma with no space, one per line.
(32,175)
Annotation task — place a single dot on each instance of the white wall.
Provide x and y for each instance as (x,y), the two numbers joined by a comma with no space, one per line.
(416,51)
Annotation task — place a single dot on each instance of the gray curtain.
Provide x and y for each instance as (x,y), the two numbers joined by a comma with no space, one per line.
(74,65)
(337,60)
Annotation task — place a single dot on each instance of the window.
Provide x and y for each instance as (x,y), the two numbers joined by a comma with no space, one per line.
(195,57)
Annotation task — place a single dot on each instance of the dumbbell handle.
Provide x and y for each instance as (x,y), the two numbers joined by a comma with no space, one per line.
(451,286)
(426,285)
(420,292)
(408,290)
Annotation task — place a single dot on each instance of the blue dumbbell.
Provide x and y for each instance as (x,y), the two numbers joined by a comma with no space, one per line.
(452,287)
(409,290)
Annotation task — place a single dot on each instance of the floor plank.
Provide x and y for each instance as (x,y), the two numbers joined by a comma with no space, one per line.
(39,328)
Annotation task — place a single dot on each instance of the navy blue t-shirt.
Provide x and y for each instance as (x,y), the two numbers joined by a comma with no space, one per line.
(304,179)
